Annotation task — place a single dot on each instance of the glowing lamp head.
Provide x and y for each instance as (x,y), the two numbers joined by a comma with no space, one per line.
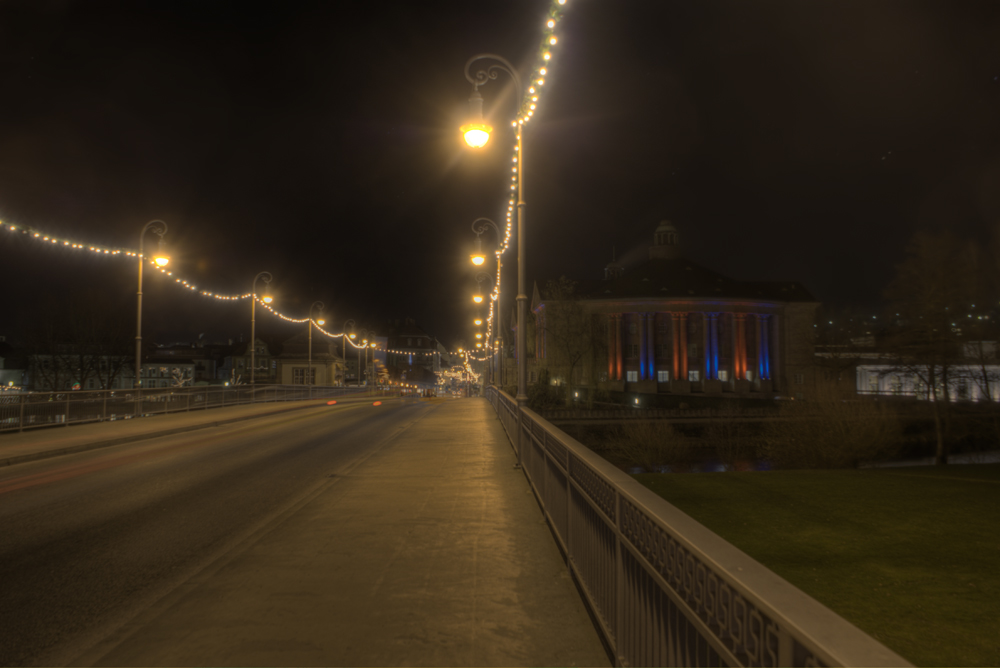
(321,322)
(477,298)
(478,258)
(267,299)
(477,322)
(478,335)
(479,345)
(352,335)
(476,134)
(373,345)
(161,260)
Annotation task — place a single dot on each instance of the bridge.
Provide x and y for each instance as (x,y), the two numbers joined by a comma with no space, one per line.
(368,530)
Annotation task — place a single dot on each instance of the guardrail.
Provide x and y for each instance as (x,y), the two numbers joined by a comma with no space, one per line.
(666,591)
(28,410)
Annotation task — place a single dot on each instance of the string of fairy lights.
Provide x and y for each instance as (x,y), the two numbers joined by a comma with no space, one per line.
(529,105)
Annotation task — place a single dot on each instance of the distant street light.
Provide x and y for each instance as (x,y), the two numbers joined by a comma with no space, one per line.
(161,259)
(349,326)
(480,225)
(364,340)
(481,77)
(267,299)
(319,322)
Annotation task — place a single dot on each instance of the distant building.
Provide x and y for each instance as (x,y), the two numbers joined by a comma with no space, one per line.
(327,368)
(412,355)
(671,326)
(236,364)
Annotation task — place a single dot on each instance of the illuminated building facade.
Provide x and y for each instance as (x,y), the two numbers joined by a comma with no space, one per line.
(669,325)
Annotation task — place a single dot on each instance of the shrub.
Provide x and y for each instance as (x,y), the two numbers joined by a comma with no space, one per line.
(733,439)
(649,444)
(831,430)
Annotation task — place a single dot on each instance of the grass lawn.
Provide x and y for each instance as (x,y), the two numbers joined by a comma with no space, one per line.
(909,555)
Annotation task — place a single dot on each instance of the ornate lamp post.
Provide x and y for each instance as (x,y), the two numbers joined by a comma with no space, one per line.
(480,277)
(348,334)
(267,299)
(364,340)
(476,135)
(161,259)
(320,322)
(480,225)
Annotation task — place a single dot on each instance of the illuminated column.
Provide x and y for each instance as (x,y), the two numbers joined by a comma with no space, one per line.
(611,346)
(618,346)
(760,348)
(706,346)
(642,345)
(675,331)
(711,346)
(740,330)
(766,346)
(684,345)
(651,345)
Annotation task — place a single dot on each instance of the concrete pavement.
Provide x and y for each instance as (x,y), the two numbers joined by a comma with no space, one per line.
(429,550)
(45,442)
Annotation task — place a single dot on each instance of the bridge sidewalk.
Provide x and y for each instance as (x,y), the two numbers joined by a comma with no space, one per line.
(430,551)
(45,442)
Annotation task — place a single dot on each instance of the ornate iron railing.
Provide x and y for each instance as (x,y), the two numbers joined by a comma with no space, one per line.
(28,410)
(664,590)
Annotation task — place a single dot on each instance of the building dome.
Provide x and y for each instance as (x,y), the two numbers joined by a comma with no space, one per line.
(666,242)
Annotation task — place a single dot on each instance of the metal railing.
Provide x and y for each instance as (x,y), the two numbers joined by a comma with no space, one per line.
(28,410)
(666,591)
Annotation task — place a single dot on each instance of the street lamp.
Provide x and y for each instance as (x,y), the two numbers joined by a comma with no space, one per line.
(161,259)
(347,335)
(267,299)
(480,225)
(319,322)
(364,340)
(478,79)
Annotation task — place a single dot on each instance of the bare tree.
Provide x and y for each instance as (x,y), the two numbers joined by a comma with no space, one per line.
(932,289)
(569,333)
(832,429)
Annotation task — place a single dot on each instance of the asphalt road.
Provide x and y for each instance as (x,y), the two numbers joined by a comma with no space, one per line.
(89,541)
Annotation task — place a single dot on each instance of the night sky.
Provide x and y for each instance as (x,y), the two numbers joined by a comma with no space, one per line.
(318,141)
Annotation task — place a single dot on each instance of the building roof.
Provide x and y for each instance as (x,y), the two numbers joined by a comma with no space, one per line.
(681,278)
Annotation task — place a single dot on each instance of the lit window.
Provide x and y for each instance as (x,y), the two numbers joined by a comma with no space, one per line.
(693,375)
(749,375)
(632,376)
(663,376)
(723,374)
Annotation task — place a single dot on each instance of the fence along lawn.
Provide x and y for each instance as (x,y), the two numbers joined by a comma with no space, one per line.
(909,555)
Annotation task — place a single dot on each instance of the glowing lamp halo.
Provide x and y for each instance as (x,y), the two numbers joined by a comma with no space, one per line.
(267,299)
(476,134)
(477,299)
(161,260)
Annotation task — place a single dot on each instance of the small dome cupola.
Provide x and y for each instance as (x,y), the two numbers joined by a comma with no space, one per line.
(613,270)
(666,242)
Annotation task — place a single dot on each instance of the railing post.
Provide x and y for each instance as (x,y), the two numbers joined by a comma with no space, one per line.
(189,402)
(67,408)
(20,421)
(104,405)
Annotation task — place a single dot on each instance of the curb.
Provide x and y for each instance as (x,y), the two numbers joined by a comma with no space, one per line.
(83,447)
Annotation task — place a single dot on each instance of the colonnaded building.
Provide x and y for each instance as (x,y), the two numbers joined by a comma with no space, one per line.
(671,326)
